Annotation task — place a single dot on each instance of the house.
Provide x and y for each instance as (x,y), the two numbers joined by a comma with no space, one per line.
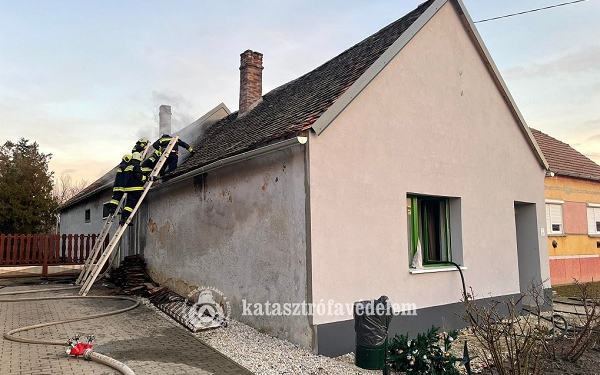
(361,178)
(572,192)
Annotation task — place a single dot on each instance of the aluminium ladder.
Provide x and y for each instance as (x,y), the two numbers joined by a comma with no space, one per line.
(97,267)
(96,250)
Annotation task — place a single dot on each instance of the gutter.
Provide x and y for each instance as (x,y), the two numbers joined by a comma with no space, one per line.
(278,146)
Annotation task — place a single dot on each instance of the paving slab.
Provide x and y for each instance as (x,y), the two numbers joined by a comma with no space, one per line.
(140,338)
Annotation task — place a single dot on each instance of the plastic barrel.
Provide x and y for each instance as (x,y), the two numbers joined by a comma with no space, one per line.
(370,358)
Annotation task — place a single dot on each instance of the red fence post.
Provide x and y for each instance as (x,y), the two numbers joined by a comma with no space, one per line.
(45,251)
(2,246)
(56,247)
(69,247)
(13,250)
(27,249)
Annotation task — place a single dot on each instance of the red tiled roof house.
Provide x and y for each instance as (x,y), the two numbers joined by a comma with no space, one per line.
(572,192)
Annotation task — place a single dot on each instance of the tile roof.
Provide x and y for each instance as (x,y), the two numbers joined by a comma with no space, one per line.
(287,110)
(295,106)
(565,160)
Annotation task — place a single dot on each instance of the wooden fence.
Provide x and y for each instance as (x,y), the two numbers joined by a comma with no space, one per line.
(45,250)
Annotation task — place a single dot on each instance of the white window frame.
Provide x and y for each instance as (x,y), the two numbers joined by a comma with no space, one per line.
(554,217)
(593,219)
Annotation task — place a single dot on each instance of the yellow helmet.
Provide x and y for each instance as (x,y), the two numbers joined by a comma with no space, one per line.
(136,156)
(127,158)
(143,141)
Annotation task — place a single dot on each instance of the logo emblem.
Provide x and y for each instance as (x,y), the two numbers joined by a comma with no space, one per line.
(210,309)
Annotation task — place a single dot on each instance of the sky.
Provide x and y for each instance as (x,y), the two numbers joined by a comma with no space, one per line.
(84,79)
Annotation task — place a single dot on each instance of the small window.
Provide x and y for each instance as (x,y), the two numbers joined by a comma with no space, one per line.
(593,218)
(429,230)
(105,210)
(87,216)
(554,219)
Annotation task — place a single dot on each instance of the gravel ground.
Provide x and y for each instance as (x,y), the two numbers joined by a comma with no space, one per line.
(267,355)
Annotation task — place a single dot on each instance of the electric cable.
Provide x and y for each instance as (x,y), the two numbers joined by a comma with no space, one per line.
(91,355)
(529,11)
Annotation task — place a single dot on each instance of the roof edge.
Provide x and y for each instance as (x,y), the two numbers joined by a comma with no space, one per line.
(277,146)
(208,114)
(498,80)
(359,85)
(575,175)
(85,196)
(200,120)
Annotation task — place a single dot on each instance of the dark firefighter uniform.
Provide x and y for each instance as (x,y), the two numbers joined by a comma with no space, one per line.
(134,185)
(140,145)
(149,164)
(171,162)
(118,185)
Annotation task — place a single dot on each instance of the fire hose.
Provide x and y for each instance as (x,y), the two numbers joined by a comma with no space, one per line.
(88,354)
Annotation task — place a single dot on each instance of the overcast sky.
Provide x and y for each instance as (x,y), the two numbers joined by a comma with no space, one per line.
(85,79)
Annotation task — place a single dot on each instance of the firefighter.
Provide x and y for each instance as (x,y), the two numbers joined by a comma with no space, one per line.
(171,162)
(140,145)
(118,185)
(134,185)
(149,164)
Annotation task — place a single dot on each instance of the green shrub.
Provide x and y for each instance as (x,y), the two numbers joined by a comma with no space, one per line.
(429,353)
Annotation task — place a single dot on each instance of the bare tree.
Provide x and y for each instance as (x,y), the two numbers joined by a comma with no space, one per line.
(65,188)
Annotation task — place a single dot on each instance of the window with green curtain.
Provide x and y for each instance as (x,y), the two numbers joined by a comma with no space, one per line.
(429,226)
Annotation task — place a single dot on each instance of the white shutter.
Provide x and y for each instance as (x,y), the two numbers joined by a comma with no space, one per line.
(591,220)
(554,217)
(548,222)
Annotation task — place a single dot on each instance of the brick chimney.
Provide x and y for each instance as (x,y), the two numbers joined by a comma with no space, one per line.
(164,119)
(250,79)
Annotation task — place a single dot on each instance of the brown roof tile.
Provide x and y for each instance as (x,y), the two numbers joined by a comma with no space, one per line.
(565,160)
(295,106)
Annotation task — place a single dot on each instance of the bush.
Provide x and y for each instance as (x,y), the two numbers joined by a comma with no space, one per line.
(427,354)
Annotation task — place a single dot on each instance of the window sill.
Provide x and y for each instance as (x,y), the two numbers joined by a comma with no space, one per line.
(557,235)
(416,271)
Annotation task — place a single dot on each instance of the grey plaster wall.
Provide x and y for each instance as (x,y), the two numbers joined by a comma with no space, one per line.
(72,220)
(240,229)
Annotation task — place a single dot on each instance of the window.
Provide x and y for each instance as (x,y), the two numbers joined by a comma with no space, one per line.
(554,219)
(105,208)
(593,218)
(429,230)
(87,216)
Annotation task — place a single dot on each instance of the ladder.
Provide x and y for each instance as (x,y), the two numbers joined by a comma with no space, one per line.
(100,240)
(95,268)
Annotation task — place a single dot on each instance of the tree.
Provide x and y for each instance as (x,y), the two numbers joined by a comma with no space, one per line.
(28,205)
(65,188)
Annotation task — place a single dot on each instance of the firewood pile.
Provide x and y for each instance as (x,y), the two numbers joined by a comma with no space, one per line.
(131,276)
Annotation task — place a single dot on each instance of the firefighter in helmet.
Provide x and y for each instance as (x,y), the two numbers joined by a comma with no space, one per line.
(118,185)
(149,164)
(171,162)
(134,185)
(140,145)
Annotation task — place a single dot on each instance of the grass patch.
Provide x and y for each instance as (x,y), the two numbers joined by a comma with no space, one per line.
(574,290)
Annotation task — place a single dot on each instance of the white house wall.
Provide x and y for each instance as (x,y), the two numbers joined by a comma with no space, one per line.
(240,229)
(432,122)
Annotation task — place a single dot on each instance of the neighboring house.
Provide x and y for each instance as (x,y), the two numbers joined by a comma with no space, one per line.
(572,192)
(331,187)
